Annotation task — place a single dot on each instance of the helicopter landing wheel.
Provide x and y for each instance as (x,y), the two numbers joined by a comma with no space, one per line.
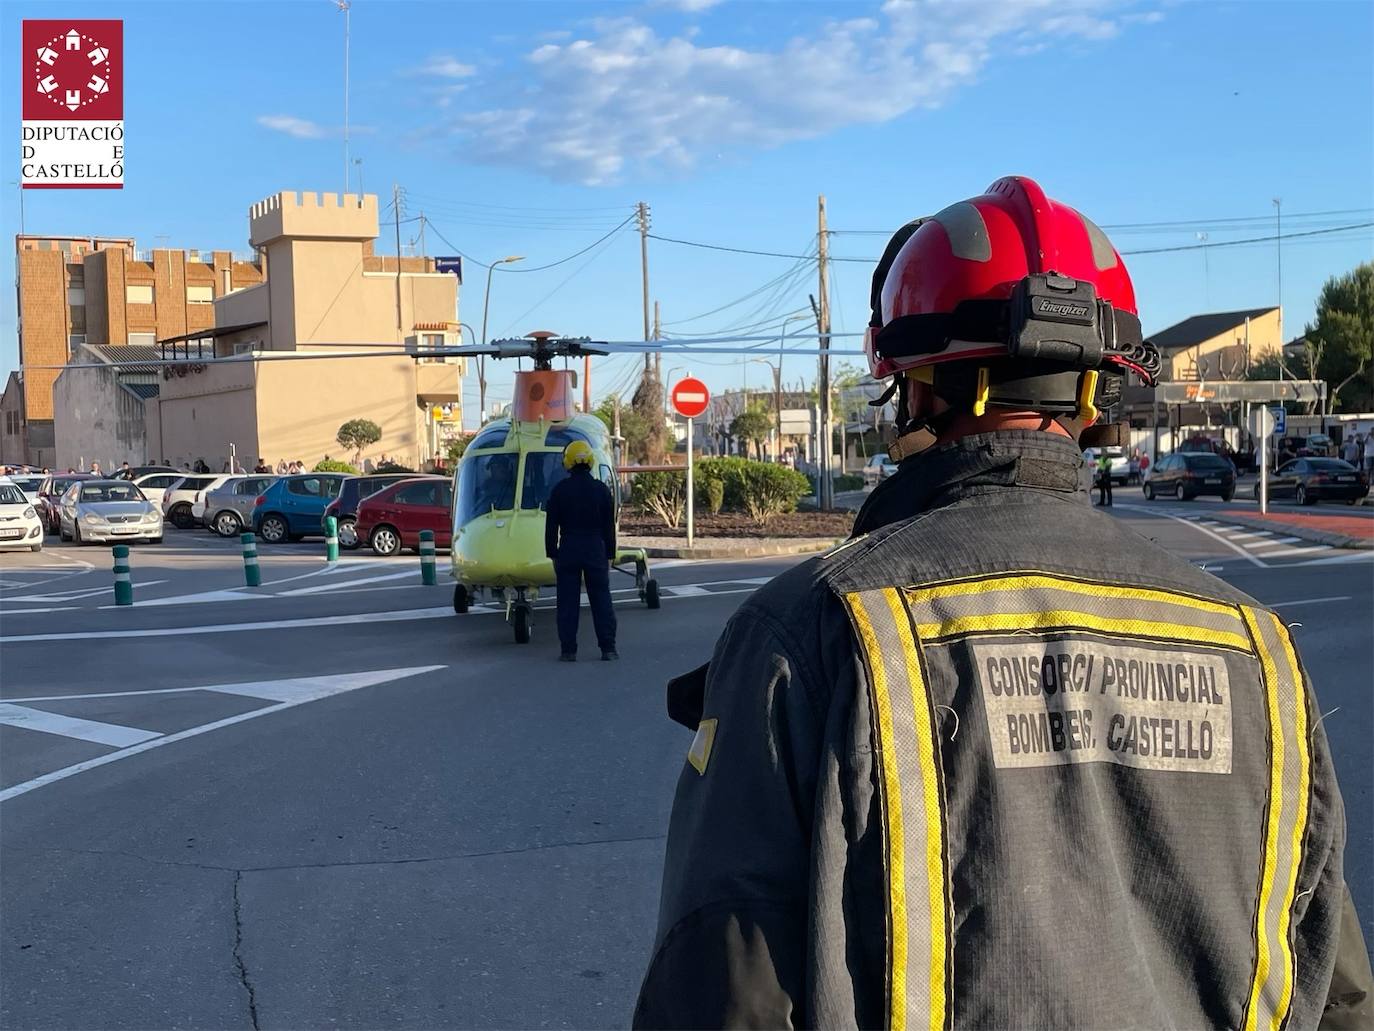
(461,599)
(522,618)
(650,594)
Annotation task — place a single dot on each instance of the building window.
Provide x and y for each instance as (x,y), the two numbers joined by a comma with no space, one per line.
(138,293)
(76,296)
(430,342)
(200,293)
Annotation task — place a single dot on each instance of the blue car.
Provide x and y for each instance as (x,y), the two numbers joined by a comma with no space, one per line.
(292,506)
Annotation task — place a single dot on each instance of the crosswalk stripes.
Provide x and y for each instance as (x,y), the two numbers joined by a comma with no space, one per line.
(1262,544)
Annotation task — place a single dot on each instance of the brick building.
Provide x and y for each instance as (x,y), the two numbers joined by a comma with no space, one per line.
(74,291)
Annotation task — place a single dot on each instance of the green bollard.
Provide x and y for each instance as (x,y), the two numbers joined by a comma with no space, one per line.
(124,584)
(427,576)
(252,575)
(331,539)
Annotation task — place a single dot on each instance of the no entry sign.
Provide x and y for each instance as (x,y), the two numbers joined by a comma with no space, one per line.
(690,397)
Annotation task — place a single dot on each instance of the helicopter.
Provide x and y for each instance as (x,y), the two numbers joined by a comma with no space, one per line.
(503,480)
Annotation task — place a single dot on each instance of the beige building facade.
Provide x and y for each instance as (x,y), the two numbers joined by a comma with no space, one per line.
(333,332)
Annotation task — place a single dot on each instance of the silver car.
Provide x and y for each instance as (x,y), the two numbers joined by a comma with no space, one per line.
(229,507)
(105,511)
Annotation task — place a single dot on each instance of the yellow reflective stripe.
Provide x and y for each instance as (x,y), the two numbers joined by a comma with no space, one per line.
(936,881)
(1070,619)
(1030,581)
(892,806)
(1287,744)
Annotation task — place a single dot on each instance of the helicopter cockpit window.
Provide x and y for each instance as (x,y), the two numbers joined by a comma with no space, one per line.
(493,436)
(486,483)
(542,470)
(562,436)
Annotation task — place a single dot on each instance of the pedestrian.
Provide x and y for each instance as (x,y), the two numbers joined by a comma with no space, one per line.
(1350,449)
(281,467)
(1369,453)
(935,780)
(95,469)
(1104,479)
(579,535)
(125,472)
(262,466)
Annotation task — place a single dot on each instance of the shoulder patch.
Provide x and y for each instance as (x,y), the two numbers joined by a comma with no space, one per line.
(700,752)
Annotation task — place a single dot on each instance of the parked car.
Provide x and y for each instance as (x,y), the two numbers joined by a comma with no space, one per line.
(1187,475)
(228,508)
(144,470)
(878,468)
(198,501)
(1309,480)
(51,493)
(155,484)
(178,498)
(103,511)
(20,526)
(392,518)
(29,483)
(1312,445)
(1120,467)
(292,506)
(344,508)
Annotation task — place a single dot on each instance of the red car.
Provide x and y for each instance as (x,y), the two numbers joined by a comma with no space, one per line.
(392,518)
(50,493)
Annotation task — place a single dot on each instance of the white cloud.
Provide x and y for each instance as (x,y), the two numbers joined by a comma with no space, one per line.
(690,6)
(625,96)
(300,128)
(444,66)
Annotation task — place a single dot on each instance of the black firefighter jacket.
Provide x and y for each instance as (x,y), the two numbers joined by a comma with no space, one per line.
(1000,762)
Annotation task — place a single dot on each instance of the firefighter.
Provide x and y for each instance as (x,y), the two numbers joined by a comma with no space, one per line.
(998,761)
(579,535)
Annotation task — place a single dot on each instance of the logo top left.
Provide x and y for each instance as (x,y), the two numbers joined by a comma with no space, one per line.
(73,70)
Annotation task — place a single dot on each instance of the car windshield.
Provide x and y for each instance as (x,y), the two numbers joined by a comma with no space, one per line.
(1331,465)
(28,483)
(1319,440)
(11,495)
(59,487)
(1208,462)
(542,470)
(98,492)
(486,483)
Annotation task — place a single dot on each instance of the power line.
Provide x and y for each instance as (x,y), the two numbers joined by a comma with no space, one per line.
(1253,239)
(1182,224)
(746,250)
(566,280)
(536,268)
(740,300)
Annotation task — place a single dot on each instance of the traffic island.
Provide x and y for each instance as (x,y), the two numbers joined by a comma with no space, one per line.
(734,535)
(1335,529)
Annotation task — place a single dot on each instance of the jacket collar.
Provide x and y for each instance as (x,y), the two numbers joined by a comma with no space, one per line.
(976,464)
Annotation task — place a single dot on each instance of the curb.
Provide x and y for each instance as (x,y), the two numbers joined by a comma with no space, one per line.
(1307,533)
(746,551)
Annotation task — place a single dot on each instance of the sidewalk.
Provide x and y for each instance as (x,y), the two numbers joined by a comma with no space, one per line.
(729,547)
(1334,528)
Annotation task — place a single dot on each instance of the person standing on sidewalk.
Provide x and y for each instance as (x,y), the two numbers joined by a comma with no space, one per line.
(579,535)
(1104,479)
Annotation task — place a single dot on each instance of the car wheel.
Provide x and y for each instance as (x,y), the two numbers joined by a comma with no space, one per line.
(181,517)
(35,548)
(273,529)
(1300,496)
(1227,495)
(228,524)
(1178,491)
(1149,489)
(348,534)
(385,541)
(154,540)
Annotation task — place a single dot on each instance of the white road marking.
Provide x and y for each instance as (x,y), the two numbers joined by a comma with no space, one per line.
(1351,556)
(1308,601)
(69,726)
(686,590)
(86,592)
(355,681)
(1276,542)
(34,612)
(104,694)
(227,594)
(1200,529)
(1311,549)
(307,689)
(343,584)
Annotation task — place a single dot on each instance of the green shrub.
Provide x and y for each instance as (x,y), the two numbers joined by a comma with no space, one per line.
(662,493)
(771,489)
(330,465)
(715,496)
(730,471)
(393,467)
(849,481)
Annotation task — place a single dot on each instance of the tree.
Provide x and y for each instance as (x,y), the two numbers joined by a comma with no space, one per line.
(357,434)
(753,425)
(1341,341)
(453,451)
(648,404)
(634,428)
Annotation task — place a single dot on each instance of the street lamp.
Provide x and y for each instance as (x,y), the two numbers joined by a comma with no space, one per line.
(481,359)
(775,444)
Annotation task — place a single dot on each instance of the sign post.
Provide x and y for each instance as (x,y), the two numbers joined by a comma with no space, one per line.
(690,399)
(1262,424)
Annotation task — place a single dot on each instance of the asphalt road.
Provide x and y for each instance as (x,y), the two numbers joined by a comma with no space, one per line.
(332,802)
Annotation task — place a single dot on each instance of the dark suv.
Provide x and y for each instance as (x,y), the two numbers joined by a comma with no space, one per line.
(344,508)
(1186,475)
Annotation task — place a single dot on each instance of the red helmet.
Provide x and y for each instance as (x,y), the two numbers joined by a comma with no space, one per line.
(1009,298)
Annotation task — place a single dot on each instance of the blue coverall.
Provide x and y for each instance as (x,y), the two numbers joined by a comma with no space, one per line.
(579,535)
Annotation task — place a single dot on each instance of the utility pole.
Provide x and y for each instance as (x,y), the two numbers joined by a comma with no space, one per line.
(1278,243)
(658,335)
(642,215)
(396,206)
(825,487)
(423,252)
(346,7)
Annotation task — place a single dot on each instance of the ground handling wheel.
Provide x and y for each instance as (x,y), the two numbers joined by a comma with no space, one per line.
(650,594)
(522,618)
(461,599)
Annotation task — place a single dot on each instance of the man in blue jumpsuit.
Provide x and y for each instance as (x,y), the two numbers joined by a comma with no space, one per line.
(579,535)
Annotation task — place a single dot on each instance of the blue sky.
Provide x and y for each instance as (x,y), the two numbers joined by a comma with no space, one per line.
(533,128)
